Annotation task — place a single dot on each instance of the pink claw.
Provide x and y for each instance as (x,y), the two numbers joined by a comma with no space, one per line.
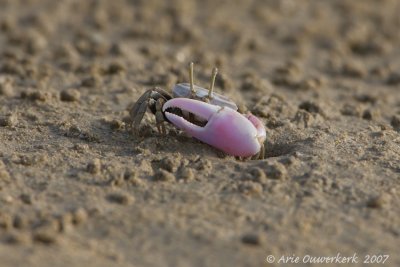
(226,129)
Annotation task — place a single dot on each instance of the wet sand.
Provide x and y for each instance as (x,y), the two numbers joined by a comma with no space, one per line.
(78,189)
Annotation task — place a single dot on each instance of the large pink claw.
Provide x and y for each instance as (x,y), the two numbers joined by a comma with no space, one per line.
(226,129)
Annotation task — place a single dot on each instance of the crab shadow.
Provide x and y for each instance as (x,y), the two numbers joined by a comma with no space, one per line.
(279,149)
(173,142)
(103,139)
(178,142)
(286,148)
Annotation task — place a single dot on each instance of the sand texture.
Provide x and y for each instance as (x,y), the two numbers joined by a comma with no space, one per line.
(77,188)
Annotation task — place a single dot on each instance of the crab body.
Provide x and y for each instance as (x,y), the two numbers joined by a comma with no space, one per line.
(209,117)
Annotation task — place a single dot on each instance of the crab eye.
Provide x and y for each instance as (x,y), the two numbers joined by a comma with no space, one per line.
(154,94)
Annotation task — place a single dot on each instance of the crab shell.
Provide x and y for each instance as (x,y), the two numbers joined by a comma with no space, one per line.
(226,129)
(183,90)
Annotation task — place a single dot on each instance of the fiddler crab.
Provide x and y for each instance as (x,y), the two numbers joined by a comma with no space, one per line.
(207,116)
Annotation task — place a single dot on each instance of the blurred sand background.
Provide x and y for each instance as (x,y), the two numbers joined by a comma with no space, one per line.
(78,189)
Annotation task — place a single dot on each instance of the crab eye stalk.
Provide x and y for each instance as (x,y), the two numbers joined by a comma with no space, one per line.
(191,78)
(213,76)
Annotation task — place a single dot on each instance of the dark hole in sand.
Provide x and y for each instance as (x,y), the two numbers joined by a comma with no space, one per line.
(276,150)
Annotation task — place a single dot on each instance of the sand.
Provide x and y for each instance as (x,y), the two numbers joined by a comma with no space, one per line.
(78,189)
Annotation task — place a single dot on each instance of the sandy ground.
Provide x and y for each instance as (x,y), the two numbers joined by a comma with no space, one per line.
(78,189)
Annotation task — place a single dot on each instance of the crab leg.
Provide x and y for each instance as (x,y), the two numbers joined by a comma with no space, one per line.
(138,110)
(226,129)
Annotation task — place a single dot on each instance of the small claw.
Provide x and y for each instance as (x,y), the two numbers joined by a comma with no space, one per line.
(226,129)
